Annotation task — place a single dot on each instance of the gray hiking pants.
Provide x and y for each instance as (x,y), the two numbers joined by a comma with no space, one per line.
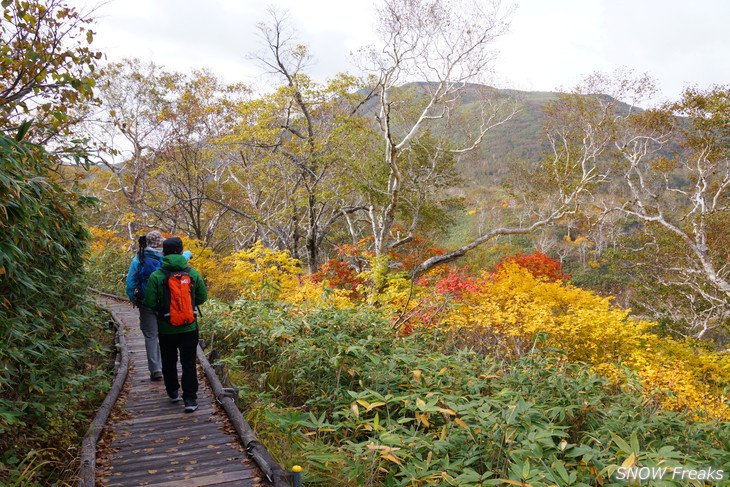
(148,325)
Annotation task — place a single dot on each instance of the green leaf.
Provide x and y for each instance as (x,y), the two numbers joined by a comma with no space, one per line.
(22,130)
(621,443)
(634,443)
(558,465)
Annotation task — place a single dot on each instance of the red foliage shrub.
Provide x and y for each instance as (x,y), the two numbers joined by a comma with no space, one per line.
(457,283)
(539,265)
(339,275)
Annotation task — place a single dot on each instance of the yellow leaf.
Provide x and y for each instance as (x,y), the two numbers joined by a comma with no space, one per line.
(514,482)
(461,423)
(392,458)
(355,410)
(447,411)
(630,461)
(373,405)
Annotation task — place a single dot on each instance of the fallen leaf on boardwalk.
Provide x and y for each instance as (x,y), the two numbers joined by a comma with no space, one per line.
(136,451)
(171,450)
(189,469)
(149,450)
(158,441)
(193,462)
(151,472)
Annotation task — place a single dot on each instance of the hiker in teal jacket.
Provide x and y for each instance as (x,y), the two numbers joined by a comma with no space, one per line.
(137,276)
(182,338)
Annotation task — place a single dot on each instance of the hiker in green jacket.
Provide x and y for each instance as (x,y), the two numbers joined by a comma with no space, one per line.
(174,338)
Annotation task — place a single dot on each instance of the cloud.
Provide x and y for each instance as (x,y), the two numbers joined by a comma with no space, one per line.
(551,44)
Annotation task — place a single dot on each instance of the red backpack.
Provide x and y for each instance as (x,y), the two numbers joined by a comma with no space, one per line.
(178,297)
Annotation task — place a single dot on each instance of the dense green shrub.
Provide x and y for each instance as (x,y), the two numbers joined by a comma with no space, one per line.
(339,392)
(50,347)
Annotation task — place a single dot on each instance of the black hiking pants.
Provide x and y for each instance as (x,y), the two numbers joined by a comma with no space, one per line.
(186,344)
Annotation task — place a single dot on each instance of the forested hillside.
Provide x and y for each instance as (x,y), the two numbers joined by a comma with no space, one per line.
(415,279)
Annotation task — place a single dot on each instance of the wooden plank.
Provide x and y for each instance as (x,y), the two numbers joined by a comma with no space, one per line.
(176,417)
(183,471)
(208,481)
(208,460)
(200,431)
(166,449)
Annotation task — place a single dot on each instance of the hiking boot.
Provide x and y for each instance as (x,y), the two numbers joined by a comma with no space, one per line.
(190,405)
(156,376)
(174,397)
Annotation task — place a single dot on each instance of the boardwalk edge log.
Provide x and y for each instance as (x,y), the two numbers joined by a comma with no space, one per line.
(273,471)
(87,472)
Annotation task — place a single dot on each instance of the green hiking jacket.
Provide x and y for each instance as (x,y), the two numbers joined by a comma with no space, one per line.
(153,294)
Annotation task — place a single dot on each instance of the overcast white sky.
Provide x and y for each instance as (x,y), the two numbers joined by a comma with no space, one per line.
(551,43)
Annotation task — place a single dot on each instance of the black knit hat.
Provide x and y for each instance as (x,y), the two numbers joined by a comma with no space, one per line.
(172,245)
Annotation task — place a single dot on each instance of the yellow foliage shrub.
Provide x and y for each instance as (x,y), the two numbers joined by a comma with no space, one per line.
(204,260)
(309,295)
(255,273)
(512,307)
(105,239)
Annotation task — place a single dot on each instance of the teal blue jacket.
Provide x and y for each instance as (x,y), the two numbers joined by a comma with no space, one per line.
(154,293)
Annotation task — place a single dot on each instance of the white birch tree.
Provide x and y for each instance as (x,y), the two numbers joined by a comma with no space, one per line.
(445,46)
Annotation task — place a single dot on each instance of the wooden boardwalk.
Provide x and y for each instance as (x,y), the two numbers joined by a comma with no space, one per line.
(150,441)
